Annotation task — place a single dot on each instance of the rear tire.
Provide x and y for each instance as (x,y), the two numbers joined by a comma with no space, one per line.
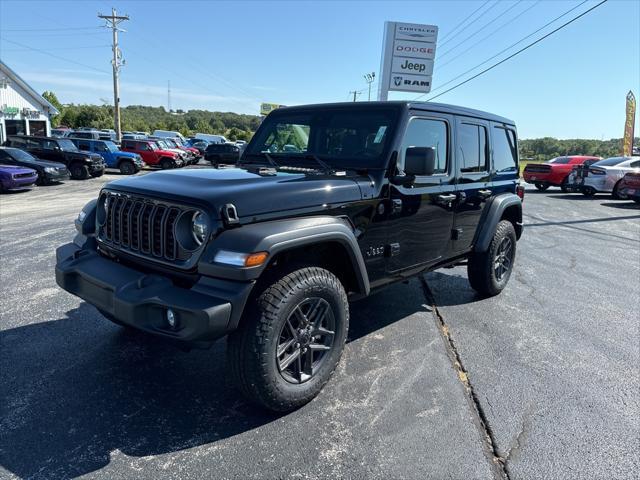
(541,186)
(127,168)
(614,193)
(489,271)
(79,171)
(290,339)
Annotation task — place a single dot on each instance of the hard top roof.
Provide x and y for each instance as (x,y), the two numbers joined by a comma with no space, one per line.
(425,106)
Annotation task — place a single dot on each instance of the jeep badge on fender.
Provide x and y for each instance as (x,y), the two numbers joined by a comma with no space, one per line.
(330,203)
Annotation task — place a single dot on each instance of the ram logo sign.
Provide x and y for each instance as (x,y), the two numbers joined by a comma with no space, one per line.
(408,53)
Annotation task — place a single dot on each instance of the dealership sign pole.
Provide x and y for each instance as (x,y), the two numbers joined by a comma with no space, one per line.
(627,140)
(408,51)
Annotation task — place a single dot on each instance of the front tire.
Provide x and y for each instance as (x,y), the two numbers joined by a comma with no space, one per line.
(79,171)
(290,339)
(614,193)
(541,186)
(489,271)
(127,168)
(166,164)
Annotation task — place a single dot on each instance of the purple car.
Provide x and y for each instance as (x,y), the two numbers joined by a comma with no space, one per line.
(16,178)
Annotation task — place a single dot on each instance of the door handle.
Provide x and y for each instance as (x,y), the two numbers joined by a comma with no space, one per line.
(447,197)
(484,193)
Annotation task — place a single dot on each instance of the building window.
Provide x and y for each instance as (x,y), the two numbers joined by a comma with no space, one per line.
(38,128)
(15,127)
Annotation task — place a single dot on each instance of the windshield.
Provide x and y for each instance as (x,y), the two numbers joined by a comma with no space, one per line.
(21,155)
(609,162)
(346,138)
(111,146)
(161,144)
(67,145)
(154,146)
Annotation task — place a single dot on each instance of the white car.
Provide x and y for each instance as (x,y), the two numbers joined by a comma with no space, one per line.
(603,176)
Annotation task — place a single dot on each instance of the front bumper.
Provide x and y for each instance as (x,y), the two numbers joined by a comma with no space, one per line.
(206,311)
(97,167)
(57,176)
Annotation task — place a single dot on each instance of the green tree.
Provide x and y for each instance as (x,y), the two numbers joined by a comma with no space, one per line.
(53,100)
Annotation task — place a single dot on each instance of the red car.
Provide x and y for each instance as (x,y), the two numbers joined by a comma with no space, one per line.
(629,187)
(555,172)
(151,154)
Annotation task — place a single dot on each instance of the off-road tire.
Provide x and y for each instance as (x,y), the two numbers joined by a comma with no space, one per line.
(541,186)
(480,269)
(251,353)
(79,171)
(166,164)
(97,174)
(127,167)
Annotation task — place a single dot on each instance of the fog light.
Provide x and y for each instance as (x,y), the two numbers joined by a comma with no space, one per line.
(171,318)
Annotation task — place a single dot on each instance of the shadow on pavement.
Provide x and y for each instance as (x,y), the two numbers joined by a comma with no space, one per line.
(586,220)
(628,205)
(78,388)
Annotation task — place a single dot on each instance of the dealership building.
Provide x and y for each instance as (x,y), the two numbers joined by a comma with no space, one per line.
(23,111)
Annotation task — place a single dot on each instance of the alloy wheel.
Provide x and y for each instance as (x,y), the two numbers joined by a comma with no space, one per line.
(503,259)
(305,340)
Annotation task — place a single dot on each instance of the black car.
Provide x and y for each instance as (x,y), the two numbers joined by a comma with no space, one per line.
(48,172)
(80,164)
(226,153)
(329,204)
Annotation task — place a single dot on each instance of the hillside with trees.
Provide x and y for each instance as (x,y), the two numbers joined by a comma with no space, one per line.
(237,126)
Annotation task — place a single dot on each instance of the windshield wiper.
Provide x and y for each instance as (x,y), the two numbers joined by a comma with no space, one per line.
(267,156)
(328,169)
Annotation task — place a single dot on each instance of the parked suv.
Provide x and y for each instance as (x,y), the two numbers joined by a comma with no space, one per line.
(151,154)
(62,150)
(127,162)
(218,153)
(270,252)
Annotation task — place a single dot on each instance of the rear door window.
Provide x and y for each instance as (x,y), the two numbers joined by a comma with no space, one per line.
(505,150)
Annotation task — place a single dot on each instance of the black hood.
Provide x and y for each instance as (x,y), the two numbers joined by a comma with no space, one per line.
(251,193)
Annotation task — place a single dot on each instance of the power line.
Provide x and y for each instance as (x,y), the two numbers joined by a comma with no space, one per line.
(508,22)
(518,52)
(480,29)
(467,18)
(440,87)
(85,47)
(48,29)
(471,23)
(52,55)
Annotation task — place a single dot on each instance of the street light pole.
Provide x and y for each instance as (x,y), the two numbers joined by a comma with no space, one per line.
(369,78)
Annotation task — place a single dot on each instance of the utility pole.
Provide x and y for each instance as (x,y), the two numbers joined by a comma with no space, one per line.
(169,96)
(369,78)
(355,93)
(113,21)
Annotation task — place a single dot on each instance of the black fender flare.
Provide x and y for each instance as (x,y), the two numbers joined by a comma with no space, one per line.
(492,215)
(278,236)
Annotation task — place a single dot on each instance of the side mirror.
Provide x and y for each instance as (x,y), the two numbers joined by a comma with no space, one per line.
(420,161)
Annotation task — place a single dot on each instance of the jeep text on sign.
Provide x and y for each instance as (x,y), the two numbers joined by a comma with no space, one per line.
(412,66)
(408,53)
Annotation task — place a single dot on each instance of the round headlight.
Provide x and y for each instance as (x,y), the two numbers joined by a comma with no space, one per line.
(199,227)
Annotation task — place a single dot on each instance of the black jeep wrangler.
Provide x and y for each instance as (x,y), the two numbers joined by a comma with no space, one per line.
(80,164)
(270,252)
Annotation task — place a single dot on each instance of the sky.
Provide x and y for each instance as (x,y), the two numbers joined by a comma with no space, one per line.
(231,56)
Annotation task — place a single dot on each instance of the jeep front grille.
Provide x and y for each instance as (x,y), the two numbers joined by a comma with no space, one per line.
(141,226)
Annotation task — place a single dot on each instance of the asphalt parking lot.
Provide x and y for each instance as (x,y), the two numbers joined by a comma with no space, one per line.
(540,382)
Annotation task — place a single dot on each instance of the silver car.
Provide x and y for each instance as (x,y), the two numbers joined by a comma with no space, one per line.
(603,176)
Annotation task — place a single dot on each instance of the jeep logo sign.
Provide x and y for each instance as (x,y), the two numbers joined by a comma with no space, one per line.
(407,58)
